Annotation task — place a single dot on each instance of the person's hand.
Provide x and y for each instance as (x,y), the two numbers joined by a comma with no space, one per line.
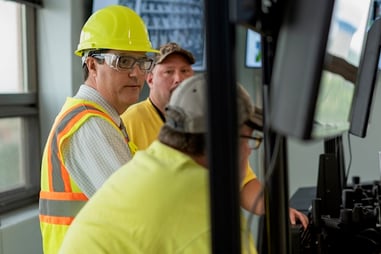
(295,215)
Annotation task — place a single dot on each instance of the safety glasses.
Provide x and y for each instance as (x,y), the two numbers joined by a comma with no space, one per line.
(124,62)
(254,141)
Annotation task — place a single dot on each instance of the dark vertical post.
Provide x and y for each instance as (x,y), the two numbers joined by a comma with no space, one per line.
(276,194)
(222,140)
(335,146)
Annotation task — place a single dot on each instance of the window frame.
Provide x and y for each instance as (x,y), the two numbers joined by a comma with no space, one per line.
(25,105)
(33,3)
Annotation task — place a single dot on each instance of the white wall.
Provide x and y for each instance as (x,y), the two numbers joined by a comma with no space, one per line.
(60,72)
(20,232)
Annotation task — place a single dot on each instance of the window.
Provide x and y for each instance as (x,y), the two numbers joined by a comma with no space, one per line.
(19,124)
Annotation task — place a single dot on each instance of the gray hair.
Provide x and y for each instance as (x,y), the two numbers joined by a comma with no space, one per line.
(188,143)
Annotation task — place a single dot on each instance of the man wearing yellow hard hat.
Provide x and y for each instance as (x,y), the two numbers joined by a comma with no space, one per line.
(88,142)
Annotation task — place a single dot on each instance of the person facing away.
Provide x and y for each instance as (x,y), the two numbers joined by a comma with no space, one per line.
(87,142)
(160,199)
(143,120)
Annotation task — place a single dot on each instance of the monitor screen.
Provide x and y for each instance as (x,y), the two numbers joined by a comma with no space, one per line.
(366,82)
(253,57)
(376,14)
(316,64)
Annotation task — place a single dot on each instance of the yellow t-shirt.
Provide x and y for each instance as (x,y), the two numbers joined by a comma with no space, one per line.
(156,203)
(143,123)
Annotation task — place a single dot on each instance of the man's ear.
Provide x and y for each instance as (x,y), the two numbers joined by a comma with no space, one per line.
(149,79)
(90,62)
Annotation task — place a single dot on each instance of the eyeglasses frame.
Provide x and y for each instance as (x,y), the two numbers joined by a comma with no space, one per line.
(113,59)
(258,140)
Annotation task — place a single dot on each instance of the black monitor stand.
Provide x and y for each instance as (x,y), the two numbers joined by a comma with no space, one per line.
(331,177)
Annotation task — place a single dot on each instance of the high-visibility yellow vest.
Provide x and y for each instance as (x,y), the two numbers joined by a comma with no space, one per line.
(60,197)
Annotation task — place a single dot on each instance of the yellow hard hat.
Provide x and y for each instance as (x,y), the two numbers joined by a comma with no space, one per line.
(115,27)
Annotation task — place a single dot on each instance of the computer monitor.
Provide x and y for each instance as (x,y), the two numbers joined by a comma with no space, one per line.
(316,65)
(365,88)
(253,57)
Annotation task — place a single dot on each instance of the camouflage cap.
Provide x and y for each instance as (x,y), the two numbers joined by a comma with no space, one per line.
(172,48)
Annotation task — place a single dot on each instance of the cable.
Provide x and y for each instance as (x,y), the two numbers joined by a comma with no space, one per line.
(350,158)
(269,173)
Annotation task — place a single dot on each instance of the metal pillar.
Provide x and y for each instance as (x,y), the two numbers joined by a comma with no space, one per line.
(222,140)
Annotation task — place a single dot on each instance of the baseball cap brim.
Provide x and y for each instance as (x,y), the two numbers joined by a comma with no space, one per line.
(255,121)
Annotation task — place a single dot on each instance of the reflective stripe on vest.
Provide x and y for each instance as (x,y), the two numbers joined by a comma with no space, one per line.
(60,205)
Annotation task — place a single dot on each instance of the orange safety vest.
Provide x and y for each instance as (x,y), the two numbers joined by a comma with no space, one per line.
(60,197)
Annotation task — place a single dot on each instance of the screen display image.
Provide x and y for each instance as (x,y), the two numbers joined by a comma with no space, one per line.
(366,82)
(345,44)
(253,58)
(316,66)
(170,20)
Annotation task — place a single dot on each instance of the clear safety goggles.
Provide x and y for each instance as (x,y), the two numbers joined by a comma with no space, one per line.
(254,141)
(124,62)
